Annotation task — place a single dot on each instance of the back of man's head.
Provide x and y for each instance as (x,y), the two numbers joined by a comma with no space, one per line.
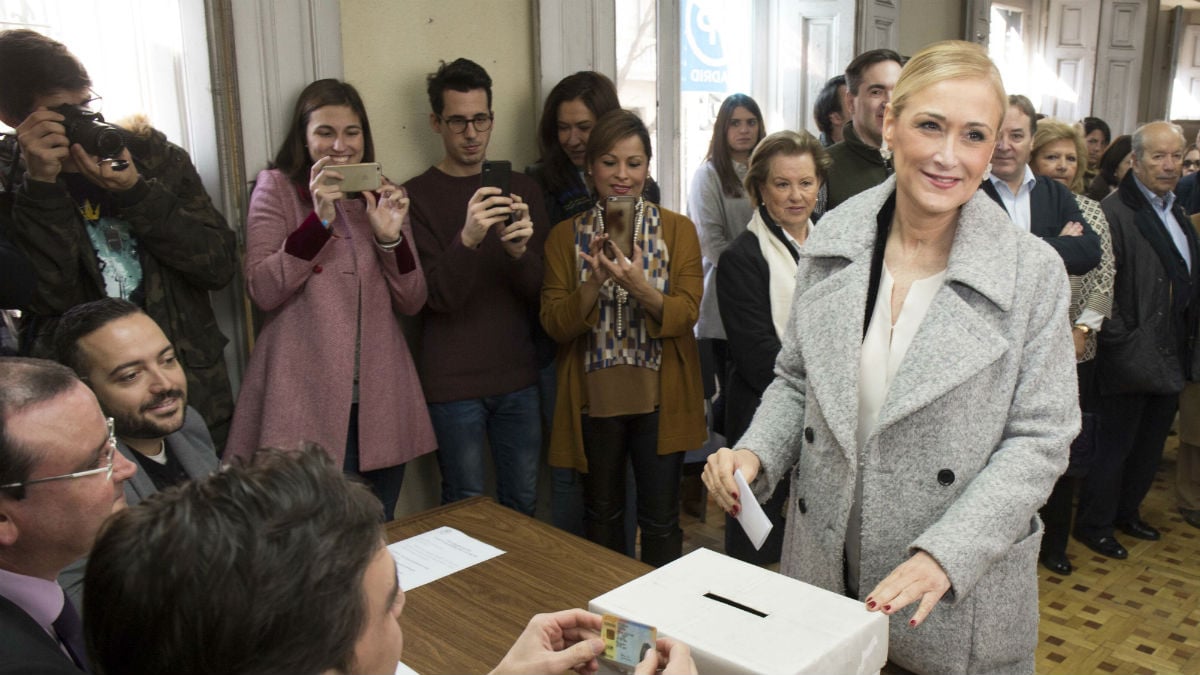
(25,383)
(32,65)
(828,103)
(256,569)
(860,64)
(460,75)
(83,320)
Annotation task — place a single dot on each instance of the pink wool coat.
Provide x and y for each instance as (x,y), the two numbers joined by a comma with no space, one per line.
(307,280)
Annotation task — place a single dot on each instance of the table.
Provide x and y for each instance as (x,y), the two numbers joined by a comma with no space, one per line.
(465,622)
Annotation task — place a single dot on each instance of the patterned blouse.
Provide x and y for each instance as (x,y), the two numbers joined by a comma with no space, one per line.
(1094,290)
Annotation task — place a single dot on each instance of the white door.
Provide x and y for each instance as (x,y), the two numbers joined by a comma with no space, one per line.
(1069,57)
(879,25)
(1185,90)
(1119,63)
(814,41)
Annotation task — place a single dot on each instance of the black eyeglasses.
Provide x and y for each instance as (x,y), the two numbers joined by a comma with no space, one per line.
(1191,163)
(458,124)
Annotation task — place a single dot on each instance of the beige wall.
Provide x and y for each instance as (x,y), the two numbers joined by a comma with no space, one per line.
(389,47)
(926,21)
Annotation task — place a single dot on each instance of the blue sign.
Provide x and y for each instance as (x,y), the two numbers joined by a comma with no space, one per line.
(702,61)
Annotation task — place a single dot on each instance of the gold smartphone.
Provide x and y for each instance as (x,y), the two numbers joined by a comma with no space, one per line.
(618,224)
(359,177)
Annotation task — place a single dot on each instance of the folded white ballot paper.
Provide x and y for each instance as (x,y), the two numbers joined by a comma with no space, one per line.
(752,517)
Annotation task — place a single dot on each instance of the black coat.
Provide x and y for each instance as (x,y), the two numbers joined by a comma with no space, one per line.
(1148,345)
(1051,206)
(744,297)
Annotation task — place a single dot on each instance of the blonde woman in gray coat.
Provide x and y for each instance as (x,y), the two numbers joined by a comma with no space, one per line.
(922,431)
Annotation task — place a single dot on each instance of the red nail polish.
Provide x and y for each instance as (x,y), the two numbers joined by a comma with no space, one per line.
(912,623)
(735,510)
(733,494)
(887,608)
(870,604)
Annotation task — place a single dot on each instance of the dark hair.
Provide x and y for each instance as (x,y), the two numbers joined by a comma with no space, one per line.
(292,158)
(1021,102)
(23,383)
(32,65)
(854,71)
(783,144)
(254,569)
(828,102)
(1114,154)
(718,147)
(1091,124)
(611,129)
(598,93)
(81,321)
(460,75)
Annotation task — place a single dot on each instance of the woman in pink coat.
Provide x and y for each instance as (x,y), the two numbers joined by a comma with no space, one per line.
(332,272)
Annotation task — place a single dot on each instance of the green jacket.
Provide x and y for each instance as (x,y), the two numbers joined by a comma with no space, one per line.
(185,247)
(856,167)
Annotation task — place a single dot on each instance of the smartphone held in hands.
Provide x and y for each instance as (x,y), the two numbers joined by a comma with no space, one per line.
(359,177)
(497,173)
(618,224)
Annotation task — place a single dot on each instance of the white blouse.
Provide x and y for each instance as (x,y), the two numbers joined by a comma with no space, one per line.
(883,349)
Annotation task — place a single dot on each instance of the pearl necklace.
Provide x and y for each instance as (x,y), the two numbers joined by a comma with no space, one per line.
(622,295)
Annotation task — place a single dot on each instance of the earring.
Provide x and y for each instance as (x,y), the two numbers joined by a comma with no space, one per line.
(885,152)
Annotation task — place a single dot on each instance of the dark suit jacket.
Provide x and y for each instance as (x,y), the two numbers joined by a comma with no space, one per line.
(744,298)
(1050,207)
(26,649)
(1187,193)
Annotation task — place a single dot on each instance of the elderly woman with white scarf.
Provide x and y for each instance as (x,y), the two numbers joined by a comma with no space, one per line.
(755,282)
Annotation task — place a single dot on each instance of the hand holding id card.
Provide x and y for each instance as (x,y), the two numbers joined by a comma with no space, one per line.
(626,642)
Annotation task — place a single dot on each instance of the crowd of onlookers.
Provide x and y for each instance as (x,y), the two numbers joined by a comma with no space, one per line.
(859,315)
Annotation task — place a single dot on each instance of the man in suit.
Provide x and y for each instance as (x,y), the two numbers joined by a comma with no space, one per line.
(127,360)
(60,478)
(1143,357)
(1037,204)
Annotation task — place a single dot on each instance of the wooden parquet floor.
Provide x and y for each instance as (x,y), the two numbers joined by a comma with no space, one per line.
(1139,616)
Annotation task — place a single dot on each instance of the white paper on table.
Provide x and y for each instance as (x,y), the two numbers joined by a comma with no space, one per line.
(429,556)
(752,517)
(402,669)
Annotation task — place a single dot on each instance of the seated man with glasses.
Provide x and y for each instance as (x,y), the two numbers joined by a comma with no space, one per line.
(131,366)
(104,211)
(482,255)
(60,478)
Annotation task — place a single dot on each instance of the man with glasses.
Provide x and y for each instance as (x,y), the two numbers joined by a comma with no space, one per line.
(135,223)
(482,256)
(60,478)
(118,351)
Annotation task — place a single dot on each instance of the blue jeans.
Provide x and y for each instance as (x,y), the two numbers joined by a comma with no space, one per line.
(513,427)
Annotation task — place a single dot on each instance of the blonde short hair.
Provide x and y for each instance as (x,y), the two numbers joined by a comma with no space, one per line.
(785,143)
(1052,130)
(948,60)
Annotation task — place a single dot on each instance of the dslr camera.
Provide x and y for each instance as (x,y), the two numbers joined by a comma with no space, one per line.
(88,129)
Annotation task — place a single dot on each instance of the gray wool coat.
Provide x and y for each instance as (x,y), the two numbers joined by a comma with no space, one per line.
(973,433)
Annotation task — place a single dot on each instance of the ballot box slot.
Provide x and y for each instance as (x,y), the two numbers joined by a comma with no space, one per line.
(735,603)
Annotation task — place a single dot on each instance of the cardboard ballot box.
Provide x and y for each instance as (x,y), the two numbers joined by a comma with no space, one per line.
(739,618)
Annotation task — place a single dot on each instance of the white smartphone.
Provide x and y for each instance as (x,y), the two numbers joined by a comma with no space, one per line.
(359,177)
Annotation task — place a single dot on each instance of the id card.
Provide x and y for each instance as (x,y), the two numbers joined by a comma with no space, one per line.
(626,642)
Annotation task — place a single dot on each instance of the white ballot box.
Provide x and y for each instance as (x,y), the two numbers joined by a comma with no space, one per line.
(740,618)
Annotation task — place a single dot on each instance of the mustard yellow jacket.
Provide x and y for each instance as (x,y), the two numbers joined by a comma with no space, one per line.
(681,424)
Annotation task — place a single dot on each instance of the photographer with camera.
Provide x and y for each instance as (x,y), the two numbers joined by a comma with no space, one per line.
(103,211)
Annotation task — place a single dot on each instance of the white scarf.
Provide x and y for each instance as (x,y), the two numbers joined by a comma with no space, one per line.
(783,271)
